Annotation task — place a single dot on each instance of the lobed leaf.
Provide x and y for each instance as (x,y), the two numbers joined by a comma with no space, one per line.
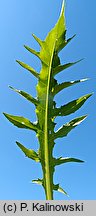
(28,152)
(27,67)
(25,95)
(21,122)
(64,85)
(71,107)
(46,110)
(65,129)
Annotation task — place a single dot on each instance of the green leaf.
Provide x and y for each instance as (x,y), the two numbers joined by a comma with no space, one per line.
(71,107)
(65,129)
(59,189)
(64,85)
(46,111)
(21,122)
(61,160)
(27,67)
(29,152)
(25,95)
(53,43)
(38,181)
(60,68)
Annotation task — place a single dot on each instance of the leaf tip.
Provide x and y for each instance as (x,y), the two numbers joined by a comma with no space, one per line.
(10,87)
(25,46)
(33,34)
(81,161)
(63,4)
(91,94)
(4,114)
(80,60)
(17,61)
(17,142)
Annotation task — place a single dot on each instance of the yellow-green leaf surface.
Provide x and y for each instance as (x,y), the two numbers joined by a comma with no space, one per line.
(64,85)
(21,122)
(25,95)
(65,129)
(27,67)
(71,107)
(61,160)
(49,58)
(60,68)
(28,152)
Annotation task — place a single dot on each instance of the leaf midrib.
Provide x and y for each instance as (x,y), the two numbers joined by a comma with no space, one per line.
(47,162)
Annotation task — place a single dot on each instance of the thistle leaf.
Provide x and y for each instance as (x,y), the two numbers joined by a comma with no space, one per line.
(27,67)
(21,122)
(60,68)
(65,129)
(64,85)
(61,160)
(28,152)
(59,189)
(46,111)
(71,107)
(25,95)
